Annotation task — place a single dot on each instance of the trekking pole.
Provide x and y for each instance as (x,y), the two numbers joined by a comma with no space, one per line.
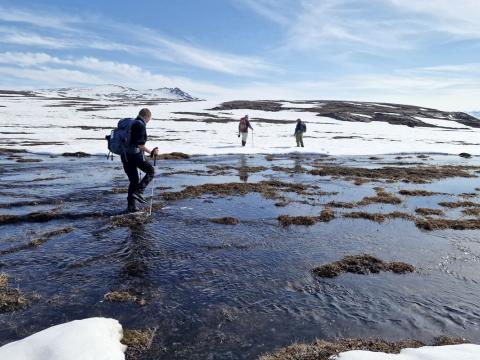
(253,143)
(151,199)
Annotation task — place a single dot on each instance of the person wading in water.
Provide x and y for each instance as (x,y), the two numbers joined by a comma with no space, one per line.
(134,159)
(243,127)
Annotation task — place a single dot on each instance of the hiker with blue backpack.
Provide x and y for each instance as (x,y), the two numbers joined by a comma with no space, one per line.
(300,129)
(243,127)
(128,140)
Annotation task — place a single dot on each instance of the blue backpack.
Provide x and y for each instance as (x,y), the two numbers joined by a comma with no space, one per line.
(119,138)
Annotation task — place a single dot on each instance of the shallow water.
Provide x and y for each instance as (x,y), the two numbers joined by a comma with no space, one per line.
(219,292)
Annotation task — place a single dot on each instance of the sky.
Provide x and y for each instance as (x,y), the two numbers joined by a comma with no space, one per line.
(401,51)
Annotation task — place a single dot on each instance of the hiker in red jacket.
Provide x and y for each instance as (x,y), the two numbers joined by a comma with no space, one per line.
(243,127)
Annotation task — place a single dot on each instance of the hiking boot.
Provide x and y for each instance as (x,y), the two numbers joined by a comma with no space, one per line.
(132,209)
(139,197)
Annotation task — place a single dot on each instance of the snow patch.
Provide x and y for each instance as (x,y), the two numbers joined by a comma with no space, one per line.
(89,339)
(362,115)
(386,106)
(444,123)
(450,352)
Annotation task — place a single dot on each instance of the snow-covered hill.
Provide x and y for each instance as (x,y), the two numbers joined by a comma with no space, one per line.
(77,119)
(115,93)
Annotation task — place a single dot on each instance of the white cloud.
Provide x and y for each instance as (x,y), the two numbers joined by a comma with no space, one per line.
(364,25)
(443,87)
(93,33)
(27,38)
(47,70)
(38,18)
(270,9)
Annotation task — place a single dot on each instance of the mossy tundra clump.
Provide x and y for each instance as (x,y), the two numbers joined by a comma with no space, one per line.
(361,264)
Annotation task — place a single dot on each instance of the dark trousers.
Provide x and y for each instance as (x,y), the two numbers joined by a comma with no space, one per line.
(131,164)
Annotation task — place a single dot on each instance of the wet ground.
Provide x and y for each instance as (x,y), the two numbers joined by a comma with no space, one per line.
(217,291)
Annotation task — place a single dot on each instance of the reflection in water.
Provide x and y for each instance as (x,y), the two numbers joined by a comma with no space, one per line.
(135,271)
(242,172)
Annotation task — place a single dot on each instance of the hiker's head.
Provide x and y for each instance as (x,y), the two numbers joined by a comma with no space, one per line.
(246,117)
(299,121)
(145,114)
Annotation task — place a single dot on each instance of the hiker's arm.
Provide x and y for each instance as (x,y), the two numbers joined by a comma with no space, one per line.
(145,149)
(250,126)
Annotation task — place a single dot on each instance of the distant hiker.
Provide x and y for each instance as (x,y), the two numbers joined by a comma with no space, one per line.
(133,158)
(300,129)
(243,127)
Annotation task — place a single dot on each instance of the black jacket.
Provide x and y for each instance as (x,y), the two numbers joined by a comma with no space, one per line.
(139,133)
(301,127)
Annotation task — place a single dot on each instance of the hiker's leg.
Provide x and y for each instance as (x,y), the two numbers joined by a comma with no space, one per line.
(297,138)
(130,167)
(301,139)
(149,171)
(132,207)
(244,138)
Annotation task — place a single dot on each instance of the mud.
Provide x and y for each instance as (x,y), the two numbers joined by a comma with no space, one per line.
(418,193)
(443,224)
(378,217)
(471,212)
(325,350)
(12,151)
(342,204)
(130,220)
(225,221)
(137,341)
(78,154)
(418,175)
(23,160)
(326,215)
(268,189)
(11,299)
(458,204)
(286,220)
(361,264)
(42,217)
(382,197)
(124,296)
(428,211)
(173,156)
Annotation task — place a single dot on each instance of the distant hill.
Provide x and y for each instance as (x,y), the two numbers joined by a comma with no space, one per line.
(356,111)
(114,93)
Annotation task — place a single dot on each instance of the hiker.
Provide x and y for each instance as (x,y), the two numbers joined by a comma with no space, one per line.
(300,129)
(134,159)
(243,129)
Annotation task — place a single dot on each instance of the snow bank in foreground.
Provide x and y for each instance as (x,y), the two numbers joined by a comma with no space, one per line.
(89,339)
(451,352)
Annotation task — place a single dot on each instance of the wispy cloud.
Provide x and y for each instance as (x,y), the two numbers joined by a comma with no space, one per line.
(38,17)
(273,10)
(48,70)
(369,24)
(460,18)
(92,33)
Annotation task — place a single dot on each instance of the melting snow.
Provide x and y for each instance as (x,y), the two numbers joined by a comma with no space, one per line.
(451,352)
(89,339)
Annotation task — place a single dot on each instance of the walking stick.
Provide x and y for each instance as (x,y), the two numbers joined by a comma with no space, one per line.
(253,143)
(151,199)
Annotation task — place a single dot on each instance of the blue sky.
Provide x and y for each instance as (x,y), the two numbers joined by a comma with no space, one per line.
(405,51)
